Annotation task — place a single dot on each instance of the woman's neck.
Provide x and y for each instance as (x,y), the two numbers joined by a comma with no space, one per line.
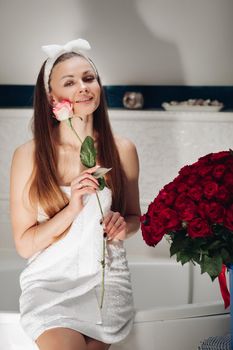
(83,127)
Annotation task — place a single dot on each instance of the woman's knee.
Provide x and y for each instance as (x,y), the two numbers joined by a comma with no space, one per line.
(93,344)
(61,339)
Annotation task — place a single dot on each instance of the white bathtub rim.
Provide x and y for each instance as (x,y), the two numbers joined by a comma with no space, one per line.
(181,312)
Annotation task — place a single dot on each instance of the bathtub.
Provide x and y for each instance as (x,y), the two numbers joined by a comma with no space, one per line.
(176,307)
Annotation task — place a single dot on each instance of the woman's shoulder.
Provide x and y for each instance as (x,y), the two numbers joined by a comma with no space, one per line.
(23,157)
(124,144)
(128,155)
(25,150)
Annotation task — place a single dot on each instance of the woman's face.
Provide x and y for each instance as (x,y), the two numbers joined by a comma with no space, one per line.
(75,80)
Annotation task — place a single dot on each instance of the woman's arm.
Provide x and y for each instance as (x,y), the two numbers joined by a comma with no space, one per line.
(29,235)
(130,223)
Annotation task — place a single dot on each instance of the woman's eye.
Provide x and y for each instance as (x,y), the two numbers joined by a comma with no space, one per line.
(69,83)
(89,78)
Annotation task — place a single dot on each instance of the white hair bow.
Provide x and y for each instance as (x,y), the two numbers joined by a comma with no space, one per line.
(72,46)
(54,51)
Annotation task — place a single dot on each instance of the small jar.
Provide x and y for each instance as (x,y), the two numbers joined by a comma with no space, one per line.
(133,100)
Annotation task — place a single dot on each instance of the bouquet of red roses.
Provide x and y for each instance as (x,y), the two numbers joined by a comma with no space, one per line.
(195,212)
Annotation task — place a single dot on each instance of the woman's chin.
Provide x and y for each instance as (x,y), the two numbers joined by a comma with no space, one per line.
(84,111)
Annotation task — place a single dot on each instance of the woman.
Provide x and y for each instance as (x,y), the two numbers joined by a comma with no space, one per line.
(55,216)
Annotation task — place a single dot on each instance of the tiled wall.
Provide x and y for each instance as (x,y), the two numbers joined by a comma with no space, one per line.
(165,142)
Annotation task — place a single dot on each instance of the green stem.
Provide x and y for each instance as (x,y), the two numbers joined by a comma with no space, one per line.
(103,274)
(71,126)
(104,240)
(103,257)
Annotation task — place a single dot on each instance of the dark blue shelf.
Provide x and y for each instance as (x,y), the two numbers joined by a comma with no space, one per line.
(21,96)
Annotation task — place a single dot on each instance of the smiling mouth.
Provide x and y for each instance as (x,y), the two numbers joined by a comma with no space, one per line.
(83,100)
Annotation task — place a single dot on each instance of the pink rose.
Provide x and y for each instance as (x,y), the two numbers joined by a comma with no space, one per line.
(63,110)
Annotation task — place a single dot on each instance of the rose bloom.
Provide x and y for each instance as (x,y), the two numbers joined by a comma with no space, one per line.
(146,232)
(188,212)
(205,170)
(182,187)
(186,170)
(63,110)
(169,219)
(198,228)
(229,163)
(182,202)
(171,186)
(204,159)
(228,181)
(215,212)
(228,220)
(220,155)
(210,189)
(153,232)
(218,171)
(167,197)
(158,206)
(195,192)
(202,209)
(223,195)
(192,179)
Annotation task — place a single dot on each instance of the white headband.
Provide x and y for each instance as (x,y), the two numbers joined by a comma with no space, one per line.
(54,51)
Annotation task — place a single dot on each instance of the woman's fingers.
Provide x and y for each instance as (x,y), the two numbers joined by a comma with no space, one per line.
(113,224)
(85,179)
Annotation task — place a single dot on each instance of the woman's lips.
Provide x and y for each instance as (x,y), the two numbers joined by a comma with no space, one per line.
(84,100)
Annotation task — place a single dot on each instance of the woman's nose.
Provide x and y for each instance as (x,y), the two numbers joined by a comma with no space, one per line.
(83,87)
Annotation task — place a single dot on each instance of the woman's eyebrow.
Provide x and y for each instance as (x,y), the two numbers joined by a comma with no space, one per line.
(67,76)
(72,76)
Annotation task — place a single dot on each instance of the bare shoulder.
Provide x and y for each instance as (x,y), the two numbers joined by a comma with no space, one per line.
(124,145)
(26,149)
(22,162)
(128,155)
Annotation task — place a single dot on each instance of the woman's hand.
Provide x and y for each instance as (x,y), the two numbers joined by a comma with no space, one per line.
(114,226)
(84,183)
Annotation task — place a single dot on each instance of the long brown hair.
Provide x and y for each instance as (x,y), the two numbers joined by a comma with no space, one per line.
(45,187)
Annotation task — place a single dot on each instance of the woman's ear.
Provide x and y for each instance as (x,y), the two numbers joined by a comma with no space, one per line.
(52,100)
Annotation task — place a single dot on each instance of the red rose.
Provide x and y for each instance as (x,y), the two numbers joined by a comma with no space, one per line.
(150,210)
(182,187)
(205,170)
(147,235)
(215,212)
(186,170)
(220,155)
(198,228)
(182,201)
(171,186)
(167,197)
(169,219)
(218,171)
(196,192)
(152,231)
(188,212)
(222,194)
(205,159)
(192,179)
(202,209)
(228,222)
(158,205)
(229,163)
(228,181)
(210,189)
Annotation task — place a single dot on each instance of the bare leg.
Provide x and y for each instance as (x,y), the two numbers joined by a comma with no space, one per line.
(61,339)
(93,344)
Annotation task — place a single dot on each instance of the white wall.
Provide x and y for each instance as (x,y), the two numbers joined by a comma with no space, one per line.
(134,41)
